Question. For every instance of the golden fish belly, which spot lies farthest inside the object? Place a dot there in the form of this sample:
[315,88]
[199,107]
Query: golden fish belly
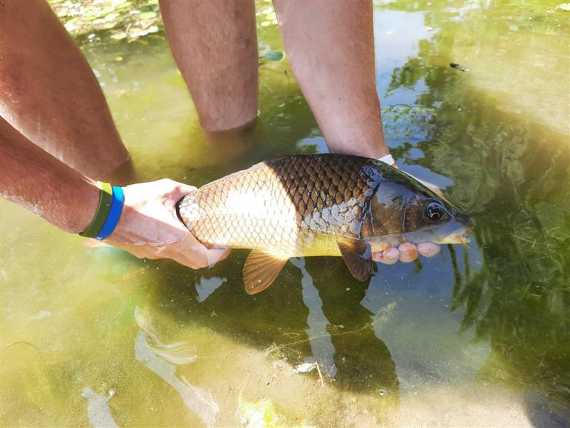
[263,220]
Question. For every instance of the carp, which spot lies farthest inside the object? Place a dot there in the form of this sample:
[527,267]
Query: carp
[318,205]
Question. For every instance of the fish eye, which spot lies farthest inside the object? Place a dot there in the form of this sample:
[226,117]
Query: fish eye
[435,211]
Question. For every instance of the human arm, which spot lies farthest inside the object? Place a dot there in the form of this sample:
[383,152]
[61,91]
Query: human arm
[148,226]
[49,93]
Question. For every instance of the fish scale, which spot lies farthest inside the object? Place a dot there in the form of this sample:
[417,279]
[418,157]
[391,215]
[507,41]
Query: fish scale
[279,205]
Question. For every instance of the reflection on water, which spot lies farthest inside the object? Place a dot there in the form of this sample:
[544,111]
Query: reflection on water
[197,400]
[475,336]
[207,286]
[98,410]
[322,348]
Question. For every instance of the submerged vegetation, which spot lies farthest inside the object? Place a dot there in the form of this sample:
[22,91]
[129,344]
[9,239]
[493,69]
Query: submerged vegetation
[120,19]
[128,19]
[513,174]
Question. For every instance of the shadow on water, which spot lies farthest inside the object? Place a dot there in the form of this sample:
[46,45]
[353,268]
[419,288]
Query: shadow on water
[278,319]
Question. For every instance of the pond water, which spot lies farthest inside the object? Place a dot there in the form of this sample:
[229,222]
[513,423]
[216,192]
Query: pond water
[476,336]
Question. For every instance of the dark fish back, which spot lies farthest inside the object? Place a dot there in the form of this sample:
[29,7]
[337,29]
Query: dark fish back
[330,192]
[285,202]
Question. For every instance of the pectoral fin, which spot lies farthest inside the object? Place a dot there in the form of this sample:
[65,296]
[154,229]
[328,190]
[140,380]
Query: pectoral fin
[260,270]
[358,258]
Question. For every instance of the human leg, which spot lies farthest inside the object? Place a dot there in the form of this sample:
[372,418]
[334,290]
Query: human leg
[330,47]
[215,46]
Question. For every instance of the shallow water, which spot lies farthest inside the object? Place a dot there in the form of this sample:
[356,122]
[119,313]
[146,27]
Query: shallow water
[473,337]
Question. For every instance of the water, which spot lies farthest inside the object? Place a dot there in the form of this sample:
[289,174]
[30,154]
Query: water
[473,337]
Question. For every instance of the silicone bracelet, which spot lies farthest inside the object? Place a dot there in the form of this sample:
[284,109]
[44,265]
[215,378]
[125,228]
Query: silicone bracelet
[103,208]
[114,214]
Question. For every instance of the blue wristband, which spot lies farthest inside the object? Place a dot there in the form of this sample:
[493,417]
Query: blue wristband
[114,214]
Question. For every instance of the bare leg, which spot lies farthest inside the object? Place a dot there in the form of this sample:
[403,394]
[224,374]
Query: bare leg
[49,93]
[215,46]
[330,47]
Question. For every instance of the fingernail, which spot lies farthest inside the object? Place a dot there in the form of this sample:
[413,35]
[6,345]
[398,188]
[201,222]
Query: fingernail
[428,249]
[408,252]
[379,247]
[388,257]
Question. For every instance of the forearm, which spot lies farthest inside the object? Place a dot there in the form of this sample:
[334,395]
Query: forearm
[36,180]
[49,93]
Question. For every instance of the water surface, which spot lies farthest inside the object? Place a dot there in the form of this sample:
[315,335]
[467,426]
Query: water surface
[473,337]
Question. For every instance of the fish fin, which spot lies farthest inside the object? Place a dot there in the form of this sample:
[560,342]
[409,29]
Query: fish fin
[260,270]
[358,257]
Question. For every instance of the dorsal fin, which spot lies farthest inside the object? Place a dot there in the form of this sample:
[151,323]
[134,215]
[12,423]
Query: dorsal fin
[260,270]
[358,257]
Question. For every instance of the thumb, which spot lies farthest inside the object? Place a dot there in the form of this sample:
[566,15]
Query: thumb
[178,191]
[191,252]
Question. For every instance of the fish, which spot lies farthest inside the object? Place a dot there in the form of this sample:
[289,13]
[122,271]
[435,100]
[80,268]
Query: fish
[318,205]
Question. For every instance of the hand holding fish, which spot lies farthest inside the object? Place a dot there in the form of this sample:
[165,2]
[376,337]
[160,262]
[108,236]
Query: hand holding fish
[149,226]
[406,252]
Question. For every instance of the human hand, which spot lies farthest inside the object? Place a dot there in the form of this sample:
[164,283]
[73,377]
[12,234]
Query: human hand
[405,252]
[149,226]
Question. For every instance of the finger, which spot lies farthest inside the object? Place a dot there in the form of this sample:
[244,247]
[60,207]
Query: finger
[428,249]
[190,252]
[388,257]
[215,255]
[140,252]
[203,257]
[408,252]
[173,191]
[193,259]
[178,190]
[378,247]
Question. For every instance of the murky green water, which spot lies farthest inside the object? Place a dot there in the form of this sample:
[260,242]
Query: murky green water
[474,337]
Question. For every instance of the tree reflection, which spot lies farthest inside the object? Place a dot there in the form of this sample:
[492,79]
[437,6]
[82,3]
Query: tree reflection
[513,175]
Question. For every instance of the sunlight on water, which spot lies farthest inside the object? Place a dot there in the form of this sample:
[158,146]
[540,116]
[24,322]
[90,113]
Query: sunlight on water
[476,336]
